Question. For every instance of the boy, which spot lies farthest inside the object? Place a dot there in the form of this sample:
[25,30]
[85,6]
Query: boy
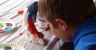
[72,21]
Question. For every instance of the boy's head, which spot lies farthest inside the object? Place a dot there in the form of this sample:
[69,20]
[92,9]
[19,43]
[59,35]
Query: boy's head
[66,15]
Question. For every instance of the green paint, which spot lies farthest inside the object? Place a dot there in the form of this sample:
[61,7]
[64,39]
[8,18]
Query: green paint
[1,25]
[7,47]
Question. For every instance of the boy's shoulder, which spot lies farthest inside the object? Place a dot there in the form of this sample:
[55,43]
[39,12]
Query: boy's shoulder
[85,35]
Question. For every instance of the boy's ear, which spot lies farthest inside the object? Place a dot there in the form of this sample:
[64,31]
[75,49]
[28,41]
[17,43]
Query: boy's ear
[62,24]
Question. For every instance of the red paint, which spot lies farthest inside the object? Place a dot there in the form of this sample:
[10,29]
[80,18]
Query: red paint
[20,12]
[47,27]
[1,30]
[21,34]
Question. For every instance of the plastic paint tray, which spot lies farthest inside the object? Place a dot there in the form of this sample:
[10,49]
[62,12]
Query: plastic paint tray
[6,25]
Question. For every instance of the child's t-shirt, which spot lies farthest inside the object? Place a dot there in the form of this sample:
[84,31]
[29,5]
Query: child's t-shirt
[85,36]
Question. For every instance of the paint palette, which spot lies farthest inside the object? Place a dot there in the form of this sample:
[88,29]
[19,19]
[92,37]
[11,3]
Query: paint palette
[6,25]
